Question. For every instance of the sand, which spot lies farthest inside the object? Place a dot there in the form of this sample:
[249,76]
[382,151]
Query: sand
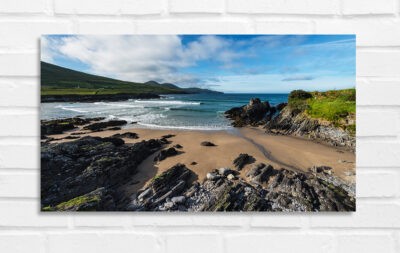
[280,151]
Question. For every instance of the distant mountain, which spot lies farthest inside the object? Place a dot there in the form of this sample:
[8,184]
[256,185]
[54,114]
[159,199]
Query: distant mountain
[191,90]
[58,81]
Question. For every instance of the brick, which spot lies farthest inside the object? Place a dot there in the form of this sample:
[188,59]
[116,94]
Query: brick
[377,92]
[19,185]
[19,156]
[368,215]
[21,243]
[27,90]
[217,220]
[283,27]
[192,27]
[23,6]
[26,214]
[378,63]
[107,27]
[354,7]
[102,242]
[377,184]
[26,34]
[277,220]
[16,125]
[196,6]
[370,32]
[19,64]
[278,242]
[110,7]
[318,7]
[368,127]
[378,154]
[148,219]
[182,243]
[365,243]
[102,220]
[142,7]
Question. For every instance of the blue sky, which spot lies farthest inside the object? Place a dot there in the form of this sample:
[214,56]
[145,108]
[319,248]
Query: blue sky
[228,63]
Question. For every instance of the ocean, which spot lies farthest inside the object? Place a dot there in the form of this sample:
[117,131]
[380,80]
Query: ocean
[188,111]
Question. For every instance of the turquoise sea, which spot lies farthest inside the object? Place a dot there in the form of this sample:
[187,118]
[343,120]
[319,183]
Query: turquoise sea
[189,111]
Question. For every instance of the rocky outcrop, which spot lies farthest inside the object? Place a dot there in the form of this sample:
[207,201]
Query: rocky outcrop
[265,189]
[98,126]
[76,168]
[165,191]
[164,154]
[59,126]
[254,114]
[242,160]
[96,98]
[128,135]
[207,144]
[283,119]
[294,122]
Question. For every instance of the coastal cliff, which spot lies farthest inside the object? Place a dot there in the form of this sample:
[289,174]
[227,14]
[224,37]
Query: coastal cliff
[322,116]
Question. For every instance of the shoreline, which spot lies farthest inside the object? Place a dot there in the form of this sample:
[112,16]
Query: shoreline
[290,152]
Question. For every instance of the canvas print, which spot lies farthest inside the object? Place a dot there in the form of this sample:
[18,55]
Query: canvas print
[198,123]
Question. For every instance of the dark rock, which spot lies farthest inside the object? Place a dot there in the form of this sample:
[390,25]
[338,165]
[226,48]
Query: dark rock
[55,127]
[168,185]
[254,114]
[242,160]
[69,137]
[193,163]
[114,128]
[167,136]
[97,200]
[59,126]
[320,169]
[165,153]
[128,135]
[207,144]
[282,190]
[291,121]
[178,146]
[280,106]
[260,173]
[75,168]
[101,125]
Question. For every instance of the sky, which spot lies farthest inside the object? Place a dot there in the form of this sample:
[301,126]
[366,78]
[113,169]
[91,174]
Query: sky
[227,63]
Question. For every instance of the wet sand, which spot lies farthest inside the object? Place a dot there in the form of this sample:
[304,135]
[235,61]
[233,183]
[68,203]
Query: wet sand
[279,151]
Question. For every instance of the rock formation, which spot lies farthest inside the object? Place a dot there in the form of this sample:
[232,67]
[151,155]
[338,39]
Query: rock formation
[76,168]
[265,189]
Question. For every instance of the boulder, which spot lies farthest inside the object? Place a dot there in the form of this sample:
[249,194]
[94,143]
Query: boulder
[207,144]
[242,160]
[165,153]
[101,125]
[128,135]
[255,113]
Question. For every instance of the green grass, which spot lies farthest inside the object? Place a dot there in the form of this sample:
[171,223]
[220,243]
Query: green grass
[334,106]
[56,80]
[75,202]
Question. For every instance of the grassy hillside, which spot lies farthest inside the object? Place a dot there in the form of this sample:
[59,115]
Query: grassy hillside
[56,80]
[337,106]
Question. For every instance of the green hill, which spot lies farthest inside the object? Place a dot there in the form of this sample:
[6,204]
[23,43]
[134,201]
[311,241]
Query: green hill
[58,81]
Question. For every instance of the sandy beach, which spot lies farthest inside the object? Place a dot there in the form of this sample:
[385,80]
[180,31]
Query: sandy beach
[280,151]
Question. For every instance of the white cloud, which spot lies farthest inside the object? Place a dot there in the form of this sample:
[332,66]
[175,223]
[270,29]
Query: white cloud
[139,58]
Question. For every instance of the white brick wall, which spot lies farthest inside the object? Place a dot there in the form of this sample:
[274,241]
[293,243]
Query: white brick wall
[375,227]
